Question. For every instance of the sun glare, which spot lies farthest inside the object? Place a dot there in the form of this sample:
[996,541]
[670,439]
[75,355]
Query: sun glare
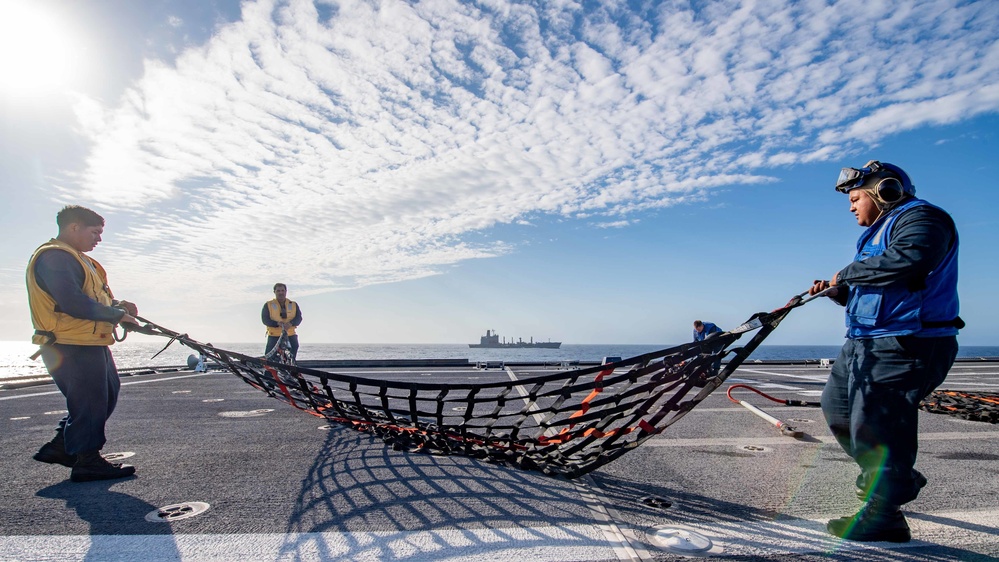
[36,49]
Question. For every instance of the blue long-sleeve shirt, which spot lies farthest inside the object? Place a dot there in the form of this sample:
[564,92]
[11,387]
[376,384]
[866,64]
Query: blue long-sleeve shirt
[60,274]
[709,329]
[919,241]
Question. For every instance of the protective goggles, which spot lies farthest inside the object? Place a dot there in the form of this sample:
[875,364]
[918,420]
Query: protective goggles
[850,178]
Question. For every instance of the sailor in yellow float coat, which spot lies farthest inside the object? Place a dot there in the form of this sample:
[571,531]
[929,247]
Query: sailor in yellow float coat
[73,312]
[50,322]
[281,315]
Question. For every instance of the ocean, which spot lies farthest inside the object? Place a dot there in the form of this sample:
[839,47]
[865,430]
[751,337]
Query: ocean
[15,362]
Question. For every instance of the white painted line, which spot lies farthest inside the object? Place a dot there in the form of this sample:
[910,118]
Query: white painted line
[130,383]
[814,370]
[736,408]
[966,532]
[758,384]
[736,441]
[961,531]
[968,385]
[555,544]
[603,511]
[598,505]
[949,384]
[524,395]
[959,435]
[812,378]
[443,371]
[740,441]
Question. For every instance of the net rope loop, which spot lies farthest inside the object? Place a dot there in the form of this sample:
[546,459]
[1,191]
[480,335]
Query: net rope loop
[564,423]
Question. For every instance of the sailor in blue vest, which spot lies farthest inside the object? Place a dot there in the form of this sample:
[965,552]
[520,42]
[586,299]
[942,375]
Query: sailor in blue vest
[703,331]
[900,295]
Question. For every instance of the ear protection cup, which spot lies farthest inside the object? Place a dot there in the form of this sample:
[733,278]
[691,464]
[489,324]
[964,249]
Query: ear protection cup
[890,190]
[902,183]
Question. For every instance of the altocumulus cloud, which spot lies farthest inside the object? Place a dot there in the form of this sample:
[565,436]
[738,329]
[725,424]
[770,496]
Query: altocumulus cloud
[350,143]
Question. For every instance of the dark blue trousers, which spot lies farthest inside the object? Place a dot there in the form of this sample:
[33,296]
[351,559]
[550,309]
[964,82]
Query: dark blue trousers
[871,404]
[86,375]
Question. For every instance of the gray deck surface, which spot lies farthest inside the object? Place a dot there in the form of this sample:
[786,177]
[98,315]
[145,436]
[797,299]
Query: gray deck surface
[282,486]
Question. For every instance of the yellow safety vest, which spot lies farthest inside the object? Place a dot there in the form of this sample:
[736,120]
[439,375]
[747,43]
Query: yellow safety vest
[69,329]
[274,309]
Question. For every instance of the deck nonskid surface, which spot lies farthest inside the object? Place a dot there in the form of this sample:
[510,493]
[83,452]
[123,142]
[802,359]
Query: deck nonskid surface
[282,484]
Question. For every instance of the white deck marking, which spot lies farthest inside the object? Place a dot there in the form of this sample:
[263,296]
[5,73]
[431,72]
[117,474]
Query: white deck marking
[601,509]
[739,441]
[576,542]
[129,383]
[960,530]
[737,408]
[964,531]
[969,385]
[812,378]
[759,385]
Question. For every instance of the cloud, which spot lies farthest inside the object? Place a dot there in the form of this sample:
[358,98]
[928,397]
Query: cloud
[353,143]
[613,224]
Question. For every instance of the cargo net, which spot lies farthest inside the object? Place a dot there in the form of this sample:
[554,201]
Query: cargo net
[565,423]
[974,406]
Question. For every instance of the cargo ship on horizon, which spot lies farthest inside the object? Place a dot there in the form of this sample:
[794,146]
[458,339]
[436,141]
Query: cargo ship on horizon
[492,340]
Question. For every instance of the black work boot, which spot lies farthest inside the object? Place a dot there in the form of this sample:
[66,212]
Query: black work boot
[92,466]
[54,452]
[876,521]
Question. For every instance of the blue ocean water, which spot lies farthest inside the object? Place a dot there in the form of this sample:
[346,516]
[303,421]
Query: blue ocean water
[14,360]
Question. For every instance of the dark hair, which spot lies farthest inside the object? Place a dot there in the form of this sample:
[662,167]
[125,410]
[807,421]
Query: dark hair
[75,214]
[276,285]
[698,323]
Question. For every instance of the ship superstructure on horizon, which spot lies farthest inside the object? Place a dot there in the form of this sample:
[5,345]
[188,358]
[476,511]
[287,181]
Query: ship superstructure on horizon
[492,339]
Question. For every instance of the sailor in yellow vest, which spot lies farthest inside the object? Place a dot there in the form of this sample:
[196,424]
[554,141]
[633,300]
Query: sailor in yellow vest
[281,315]
[74,313]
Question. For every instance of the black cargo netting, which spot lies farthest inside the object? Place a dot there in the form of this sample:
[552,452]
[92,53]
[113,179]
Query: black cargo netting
[564,423]
[974,406]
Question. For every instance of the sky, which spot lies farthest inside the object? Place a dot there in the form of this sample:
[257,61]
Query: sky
[422,171]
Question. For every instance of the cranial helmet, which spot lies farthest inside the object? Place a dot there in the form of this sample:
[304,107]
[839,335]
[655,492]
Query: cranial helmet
[890,182]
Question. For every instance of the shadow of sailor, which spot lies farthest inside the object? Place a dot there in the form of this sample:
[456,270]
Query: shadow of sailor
[118,528]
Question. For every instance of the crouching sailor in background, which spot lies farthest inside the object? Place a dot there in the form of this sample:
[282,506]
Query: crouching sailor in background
[74,313]
[281,315]
[703,331]
[900,295]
